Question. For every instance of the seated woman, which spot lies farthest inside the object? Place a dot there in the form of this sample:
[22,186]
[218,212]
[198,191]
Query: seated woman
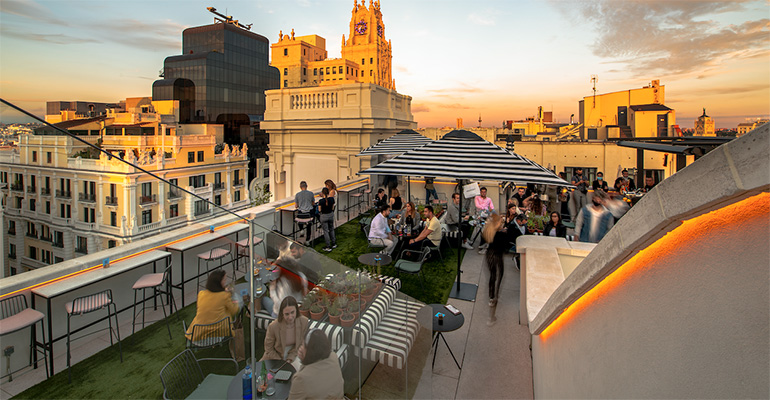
[411,218]
[395,203]
[214,303]
[284,335]
[320,376]
[554,227]
[537,206]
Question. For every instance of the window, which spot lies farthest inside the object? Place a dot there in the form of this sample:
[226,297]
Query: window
[58,260]
[146,217]
[48,207]
[89,215]
[32,205]
[31,230]
[49,157]
[591,134]
[173,211]
[371,72]
[19,200]
[266,173]
[113,218]
[147,189]
[45,256]
[237,195]
[190,157]
[218,200]
[200,156]
[11,227]
[285,71]
[304,71]
[58,239]
[347,70]
[81,245]
[340,68]
[3,177]
[34,156]
[371,60]
[237,176]
[315,71]
[285,83]
[588,173]
[334,71]
[327,70]
[111,244]
[33,252]
[11,251]
[363,61]
[217,178]
[201,207]
[286,53]
[65,211]
[198,181]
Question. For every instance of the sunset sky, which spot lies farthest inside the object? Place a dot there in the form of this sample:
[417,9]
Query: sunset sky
[457,59]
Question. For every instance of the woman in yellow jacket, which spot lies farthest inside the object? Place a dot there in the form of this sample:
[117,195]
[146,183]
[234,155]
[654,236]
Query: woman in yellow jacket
[285,334]
[214,303]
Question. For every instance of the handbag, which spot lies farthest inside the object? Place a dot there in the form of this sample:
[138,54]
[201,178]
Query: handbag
[471,190]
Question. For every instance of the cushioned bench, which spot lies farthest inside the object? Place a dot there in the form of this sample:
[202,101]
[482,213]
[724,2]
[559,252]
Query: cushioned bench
[387,330]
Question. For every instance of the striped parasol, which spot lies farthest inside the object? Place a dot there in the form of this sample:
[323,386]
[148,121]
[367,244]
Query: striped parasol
[397,144]
[464,155]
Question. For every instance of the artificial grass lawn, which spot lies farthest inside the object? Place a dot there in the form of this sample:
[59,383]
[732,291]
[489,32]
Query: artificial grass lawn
[103,376]
[438,275]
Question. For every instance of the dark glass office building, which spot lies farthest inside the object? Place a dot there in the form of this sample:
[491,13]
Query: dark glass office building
[221,77]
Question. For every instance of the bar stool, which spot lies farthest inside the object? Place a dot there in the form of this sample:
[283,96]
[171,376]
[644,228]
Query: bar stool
[160,286]
[242,247]
[298,221]
[367,198]
[358,196]
[88,304]
[217,253]
[15,315]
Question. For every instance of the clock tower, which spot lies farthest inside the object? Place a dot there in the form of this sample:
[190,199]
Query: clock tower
[367,46]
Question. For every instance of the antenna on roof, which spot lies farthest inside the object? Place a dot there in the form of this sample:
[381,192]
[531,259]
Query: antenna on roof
[228,19]
[594,79]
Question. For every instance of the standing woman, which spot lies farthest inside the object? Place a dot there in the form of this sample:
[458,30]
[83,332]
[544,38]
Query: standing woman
[326,211]
[284,335]
[494,257]
[554,227]
[332,188]
[395,203]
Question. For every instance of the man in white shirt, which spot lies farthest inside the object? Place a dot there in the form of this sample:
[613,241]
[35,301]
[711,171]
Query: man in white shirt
[379,232]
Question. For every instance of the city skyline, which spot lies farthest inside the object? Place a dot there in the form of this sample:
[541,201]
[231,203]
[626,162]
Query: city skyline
[500,60]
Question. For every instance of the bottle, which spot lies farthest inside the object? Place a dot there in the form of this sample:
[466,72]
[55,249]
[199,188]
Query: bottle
[262,380]
[260,386]
[247,383]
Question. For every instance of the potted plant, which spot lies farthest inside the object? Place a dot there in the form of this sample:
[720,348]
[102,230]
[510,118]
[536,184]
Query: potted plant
[347,320]
[356,306]
[304,308]
[316,312]
[342,303]
[334,314]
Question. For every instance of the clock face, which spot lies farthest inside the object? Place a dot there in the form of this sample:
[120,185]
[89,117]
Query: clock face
[379,30]
[360,27]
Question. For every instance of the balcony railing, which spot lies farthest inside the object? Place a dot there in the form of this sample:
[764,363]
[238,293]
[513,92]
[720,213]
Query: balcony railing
[144,200]
[175,219]
[48,238]
[149,227]
[12,231]
[202,211]
[58,244]
[63,194]
[111,201]
[31,189]
[12,256]
[32,235]
[202,189]
[81,250]
[45,191]
[87,197]
[237,182]
[174,194]
[17,187]
[219,185]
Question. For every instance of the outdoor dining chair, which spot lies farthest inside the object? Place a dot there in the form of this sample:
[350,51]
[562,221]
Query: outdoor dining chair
[15,315]
[412,267]
[182,378]
[375,243]
[88,304]
[209,336]
[160,288]
[242,249]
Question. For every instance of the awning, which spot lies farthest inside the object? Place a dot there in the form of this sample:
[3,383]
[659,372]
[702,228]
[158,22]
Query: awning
[397,144]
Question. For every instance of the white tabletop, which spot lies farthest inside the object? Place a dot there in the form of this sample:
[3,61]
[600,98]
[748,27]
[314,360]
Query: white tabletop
[98,274]
[208,237]
[353,187]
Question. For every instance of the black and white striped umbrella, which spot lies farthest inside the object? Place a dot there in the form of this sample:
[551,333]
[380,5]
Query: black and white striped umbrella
[397,144]
[464,155]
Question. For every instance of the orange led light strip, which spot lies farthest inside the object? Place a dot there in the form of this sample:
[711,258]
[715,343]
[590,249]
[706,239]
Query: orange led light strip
[130,256]
[753,207]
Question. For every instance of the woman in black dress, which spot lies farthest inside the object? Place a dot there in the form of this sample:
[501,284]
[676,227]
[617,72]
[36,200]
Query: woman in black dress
[494,234]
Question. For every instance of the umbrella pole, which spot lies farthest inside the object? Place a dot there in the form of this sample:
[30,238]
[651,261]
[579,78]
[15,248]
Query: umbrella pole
[461,291]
